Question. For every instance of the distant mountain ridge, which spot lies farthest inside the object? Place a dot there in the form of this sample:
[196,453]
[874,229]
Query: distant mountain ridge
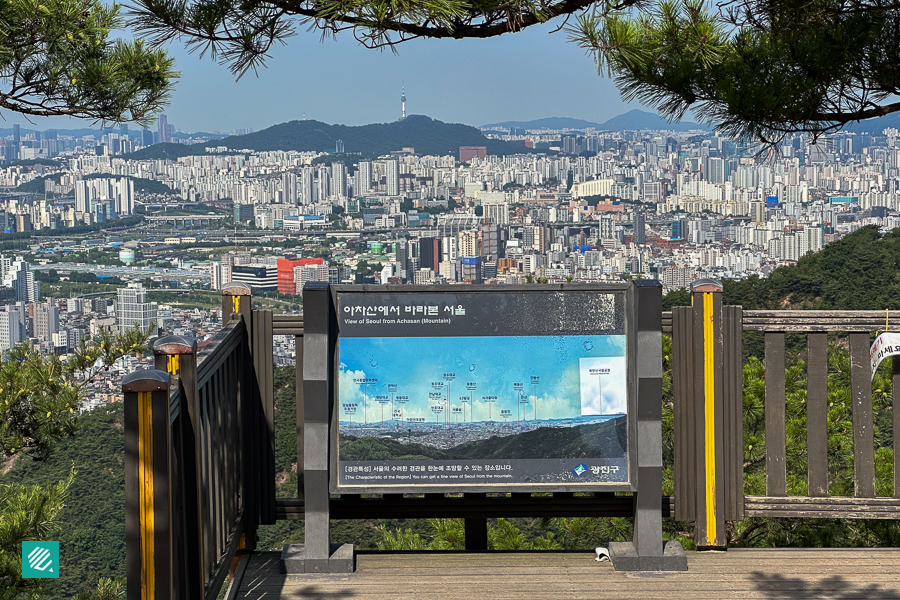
[424,134]
[632,120]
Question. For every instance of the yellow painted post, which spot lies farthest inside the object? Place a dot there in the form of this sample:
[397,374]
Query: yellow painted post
[706,300]
[148,504]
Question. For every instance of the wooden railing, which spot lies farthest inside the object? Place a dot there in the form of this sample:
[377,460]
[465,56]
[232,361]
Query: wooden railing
[198,431]
[708,406]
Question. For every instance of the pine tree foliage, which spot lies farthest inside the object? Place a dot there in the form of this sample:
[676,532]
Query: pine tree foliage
[759,69]
[57,57]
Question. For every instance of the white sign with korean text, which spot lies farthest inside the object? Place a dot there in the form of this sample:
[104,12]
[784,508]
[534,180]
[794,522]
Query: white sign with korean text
[886,344]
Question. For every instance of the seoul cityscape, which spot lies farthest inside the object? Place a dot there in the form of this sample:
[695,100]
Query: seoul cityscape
[557,206]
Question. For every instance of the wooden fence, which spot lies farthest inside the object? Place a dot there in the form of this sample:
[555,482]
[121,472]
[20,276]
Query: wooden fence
[707,348]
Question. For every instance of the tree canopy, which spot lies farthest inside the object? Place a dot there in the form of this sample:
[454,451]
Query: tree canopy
[57,59]
[752,68]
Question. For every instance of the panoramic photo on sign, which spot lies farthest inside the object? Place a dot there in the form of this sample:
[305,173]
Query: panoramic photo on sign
[482,388]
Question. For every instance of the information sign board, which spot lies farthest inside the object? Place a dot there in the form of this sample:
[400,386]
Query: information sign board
[487,388]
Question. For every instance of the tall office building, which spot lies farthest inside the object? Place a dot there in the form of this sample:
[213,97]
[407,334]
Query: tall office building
[363,178]
[392,177]
[430,253]
[163,129]
[133,309]
[640,232]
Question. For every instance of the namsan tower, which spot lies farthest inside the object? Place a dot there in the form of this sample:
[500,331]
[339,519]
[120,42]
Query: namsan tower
[403,102]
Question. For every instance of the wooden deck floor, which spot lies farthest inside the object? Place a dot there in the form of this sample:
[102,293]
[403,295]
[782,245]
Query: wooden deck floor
[746,574]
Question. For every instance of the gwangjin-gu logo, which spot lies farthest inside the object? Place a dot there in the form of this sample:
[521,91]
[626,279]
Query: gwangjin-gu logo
[579,470]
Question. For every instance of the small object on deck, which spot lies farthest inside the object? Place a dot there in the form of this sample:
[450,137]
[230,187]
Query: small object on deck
[602,554]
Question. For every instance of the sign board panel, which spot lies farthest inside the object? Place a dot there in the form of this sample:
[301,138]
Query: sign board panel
[490,388]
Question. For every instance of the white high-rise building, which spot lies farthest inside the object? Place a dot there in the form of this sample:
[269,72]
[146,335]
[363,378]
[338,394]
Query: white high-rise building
[133,309]
[289,188]
[46,320]
[20,277]
[392,176]
[119,190]
[308,187]
[324,183]
[338,180]
[363,178]
[219,274]
[10,329]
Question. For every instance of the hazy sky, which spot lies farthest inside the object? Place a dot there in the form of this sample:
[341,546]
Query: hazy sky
[520,76]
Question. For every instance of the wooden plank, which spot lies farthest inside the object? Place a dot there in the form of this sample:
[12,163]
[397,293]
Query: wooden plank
[685,419]
[817,414]
[895,395]
[844,328]
[776,474]
[863,436]
[816,314]
[733,409]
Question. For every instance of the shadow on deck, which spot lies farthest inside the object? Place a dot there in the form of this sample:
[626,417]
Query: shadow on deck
[762,574]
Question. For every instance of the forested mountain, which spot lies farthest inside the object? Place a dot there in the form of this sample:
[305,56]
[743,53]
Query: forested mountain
[424,134]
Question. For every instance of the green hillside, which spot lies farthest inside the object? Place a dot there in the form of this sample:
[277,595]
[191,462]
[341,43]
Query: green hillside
[92,533]
[424,134]
[861,271]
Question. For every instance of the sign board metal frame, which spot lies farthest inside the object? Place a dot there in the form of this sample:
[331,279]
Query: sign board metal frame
[632,337]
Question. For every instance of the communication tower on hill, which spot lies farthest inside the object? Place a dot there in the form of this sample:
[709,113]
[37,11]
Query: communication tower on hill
[403,102]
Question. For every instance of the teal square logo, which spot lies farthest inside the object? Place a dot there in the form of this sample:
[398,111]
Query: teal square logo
[40,560]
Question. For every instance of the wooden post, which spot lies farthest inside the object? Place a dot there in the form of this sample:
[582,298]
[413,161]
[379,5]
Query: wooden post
[148,511]
[237,305]
[261,349]
[177,356]
[706,300]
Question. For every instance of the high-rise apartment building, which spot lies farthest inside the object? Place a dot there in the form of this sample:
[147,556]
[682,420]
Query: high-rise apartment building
[363,178]
[10,329]
[19,276]
[46,320]
[392,177]
[468,243]
[133,309]
[338,180]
